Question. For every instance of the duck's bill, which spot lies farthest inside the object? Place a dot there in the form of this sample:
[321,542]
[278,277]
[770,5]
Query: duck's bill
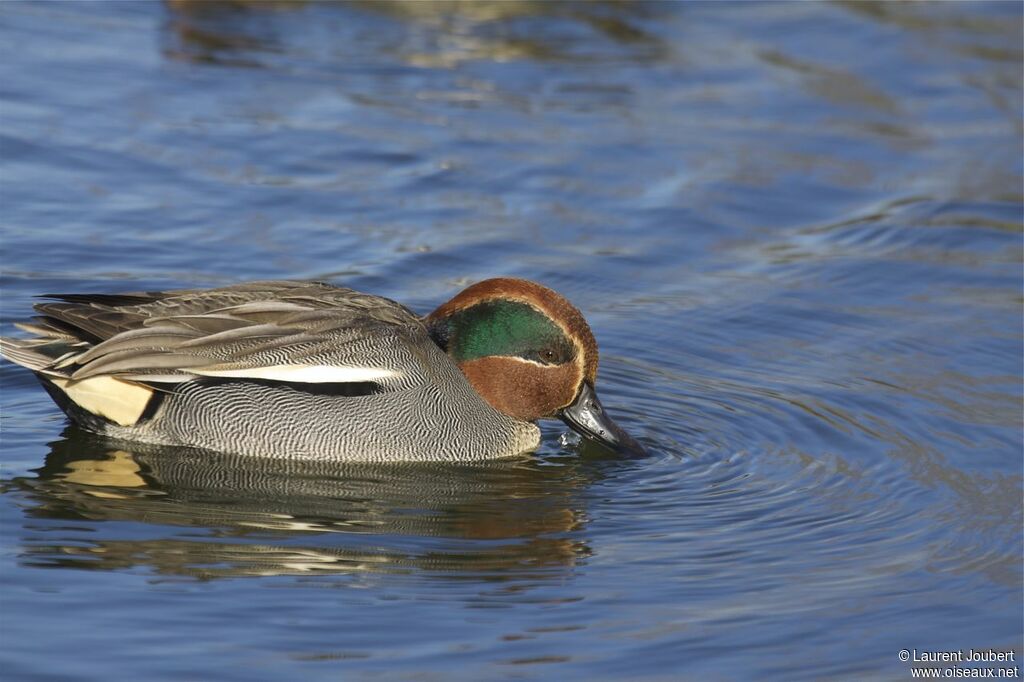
[587,417]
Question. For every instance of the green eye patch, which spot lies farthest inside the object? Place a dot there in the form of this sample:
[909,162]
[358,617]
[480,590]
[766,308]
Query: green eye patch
[506,328]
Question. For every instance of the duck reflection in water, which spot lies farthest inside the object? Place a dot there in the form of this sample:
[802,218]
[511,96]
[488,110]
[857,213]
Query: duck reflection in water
[443,33]
[504,520]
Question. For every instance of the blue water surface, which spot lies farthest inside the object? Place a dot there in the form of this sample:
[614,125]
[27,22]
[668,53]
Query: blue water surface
[795,228]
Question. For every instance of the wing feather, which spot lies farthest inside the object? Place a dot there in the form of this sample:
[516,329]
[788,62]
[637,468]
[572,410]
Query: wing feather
[277,331]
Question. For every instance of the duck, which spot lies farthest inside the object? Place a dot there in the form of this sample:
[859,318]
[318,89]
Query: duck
[310,370]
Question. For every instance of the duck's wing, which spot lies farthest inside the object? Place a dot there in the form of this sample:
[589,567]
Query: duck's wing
[305,332]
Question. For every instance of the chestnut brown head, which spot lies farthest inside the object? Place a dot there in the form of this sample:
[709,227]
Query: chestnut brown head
[528,352]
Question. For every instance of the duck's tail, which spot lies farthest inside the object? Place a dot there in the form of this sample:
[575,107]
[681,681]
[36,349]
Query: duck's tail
[42,353]
[49,356]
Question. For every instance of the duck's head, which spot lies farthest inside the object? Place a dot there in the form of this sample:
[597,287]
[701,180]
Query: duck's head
[529,353]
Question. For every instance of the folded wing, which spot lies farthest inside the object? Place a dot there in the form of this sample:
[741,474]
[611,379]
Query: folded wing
[297,332]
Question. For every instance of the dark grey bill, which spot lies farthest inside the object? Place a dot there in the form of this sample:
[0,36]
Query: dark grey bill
[587,417]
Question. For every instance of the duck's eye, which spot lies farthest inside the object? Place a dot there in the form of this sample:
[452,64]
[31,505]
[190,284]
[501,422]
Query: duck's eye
[551,355]
[554,353]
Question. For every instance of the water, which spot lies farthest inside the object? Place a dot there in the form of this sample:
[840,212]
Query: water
[796,232]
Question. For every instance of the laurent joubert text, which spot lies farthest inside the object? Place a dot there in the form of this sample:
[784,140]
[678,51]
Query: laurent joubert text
[958,656]
[961,656]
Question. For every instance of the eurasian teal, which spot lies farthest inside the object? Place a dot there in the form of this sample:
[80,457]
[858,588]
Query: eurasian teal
[310,370]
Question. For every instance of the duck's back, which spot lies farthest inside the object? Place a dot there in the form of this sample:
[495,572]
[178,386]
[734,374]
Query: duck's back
[291,369]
